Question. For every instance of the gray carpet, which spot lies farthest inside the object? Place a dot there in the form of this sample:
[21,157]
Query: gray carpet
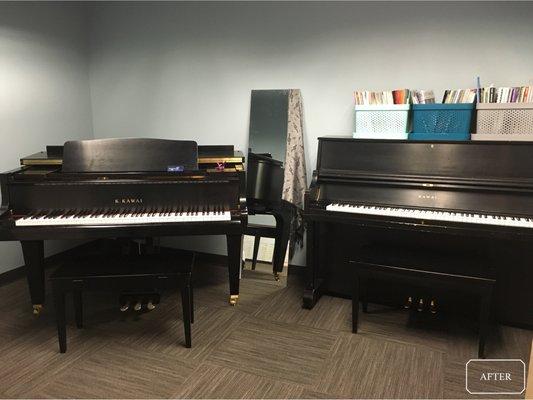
[265,347]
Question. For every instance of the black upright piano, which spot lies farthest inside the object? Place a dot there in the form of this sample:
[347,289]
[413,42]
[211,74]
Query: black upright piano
[123,188]
[462,197]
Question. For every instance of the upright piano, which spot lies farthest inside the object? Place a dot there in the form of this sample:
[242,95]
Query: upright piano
[123,188]
[462,197]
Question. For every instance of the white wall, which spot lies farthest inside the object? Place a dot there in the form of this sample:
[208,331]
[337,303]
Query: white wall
[186,70]
[44,88]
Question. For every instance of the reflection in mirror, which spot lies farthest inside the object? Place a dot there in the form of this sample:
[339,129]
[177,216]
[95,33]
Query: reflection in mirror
[276,179]
[268,123]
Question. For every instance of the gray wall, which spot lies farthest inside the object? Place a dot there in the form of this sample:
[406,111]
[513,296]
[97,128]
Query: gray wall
[44,88]
[186,70]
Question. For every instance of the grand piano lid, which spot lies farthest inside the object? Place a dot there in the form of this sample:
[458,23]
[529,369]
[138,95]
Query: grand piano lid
[130,154]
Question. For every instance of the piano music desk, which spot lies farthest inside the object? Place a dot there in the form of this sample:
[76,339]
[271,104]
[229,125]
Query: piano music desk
[424,271]
[122,273]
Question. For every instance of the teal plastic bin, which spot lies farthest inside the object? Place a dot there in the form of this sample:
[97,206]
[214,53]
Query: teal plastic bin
[442,121]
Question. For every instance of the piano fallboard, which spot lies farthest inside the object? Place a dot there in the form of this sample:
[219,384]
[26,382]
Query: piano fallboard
[26,195]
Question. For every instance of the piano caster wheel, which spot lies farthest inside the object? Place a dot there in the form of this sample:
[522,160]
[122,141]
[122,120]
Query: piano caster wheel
[125,307]
[420,307]
[433,307]
[150,306]
[233,299]
[276,276]
[408,303]
[37,309]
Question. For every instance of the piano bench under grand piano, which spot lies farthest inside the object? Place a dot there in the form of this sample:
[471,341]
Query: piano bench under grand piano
[121,273]
[123,188]
[430,275]
[452,197]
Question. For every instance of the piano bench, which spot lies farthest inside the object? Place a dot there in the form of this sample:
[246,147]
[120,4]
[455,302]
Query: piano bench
[427,276]
[138,273]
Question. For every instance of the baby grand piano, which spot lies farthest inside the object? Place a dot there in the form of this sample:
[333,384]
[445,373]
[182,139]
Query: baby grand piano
[123,188]
[460,197]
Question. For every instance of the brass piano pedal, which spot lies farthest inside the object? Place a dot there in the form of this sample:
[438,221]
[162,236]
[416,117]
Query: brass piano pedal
[420,306]
[233,299]
[125,307]
[433,307]
[408,303]
[150,305]
[137,306]
[276,276]
[37,309]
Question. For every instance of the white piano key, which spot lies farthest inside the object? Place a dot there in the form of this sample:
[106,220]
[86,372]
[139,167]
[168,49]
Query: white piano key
[128,219]
[434,215]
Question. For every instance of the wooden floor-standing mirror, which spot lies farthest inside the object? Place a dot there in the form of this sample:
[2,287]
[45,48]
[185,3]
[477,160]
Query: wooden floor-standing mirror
[276,176]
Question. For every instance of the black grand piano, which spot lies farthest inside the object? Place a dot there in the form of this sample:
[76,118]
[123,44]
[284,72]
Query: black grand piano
[451,197]
[123,188]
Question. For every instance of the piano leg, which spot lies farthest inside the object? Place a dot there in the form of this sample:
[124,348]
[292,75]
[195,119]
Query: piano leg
[33,251]
[311,291]
[234,244]
[283,226]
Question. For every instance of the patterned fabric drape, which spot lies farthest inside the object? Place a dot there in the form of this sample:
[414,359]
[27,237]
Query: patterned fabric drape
[295,179]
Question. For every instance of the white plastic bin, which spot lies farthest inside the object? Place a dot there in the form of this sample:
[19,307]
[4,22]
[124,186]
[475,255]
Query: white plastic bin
[384,121]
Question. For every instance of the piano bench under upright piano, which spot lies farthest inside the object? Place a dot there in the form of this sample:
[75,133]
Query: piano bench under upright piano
[430,274]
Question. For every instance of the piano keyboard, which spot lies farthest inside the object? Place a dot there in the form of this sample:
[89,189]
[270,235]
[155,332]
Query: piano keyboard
[473,218]
[120,218]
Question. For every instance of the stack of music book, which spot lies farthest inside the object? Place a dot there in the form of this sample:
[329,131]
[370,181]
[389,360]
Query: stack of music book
[456,96]
[422,96]
[367,97]
[519,94]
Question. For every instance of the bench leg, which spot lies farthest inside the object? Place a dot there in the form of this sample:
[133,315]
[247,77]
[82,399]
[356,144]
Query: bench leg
[78,308]
[257,242]
[186,307]
[362,289]
[355,305]
[59,302]
[484,314]
[192,301]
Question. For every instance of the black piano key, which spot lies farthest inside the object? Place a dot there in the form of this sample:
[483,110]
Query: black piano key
[53,214]
[35,214]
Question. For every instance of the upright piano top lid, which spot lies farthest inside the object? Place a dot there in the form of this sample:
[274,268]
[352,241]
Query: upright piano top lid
[129,155]
[468,160]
